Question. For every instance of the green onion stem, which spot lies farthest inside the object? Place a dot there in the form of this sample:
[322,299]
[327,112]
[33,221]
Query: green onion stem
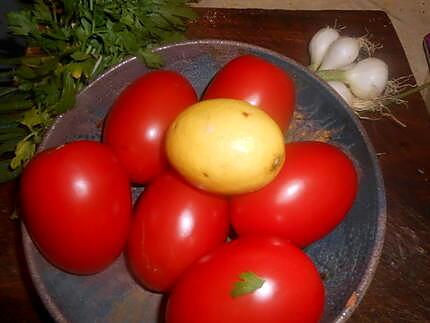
[332,75]
[415,89]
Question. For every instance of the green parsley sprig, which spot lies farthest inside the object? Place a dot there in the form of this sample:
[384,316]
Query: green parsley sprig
[69,43]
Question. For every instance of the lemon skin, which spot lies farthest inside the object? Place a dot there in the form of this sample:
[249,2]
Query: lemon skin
[225,146]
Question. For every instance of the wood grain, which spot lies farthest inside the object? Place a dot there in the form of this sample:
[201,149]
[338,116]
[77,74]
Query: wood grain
[400,291]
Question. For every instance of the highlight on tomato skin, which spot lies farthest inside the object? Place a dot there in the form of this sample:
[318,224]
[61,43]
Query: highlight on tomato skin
[259,82]
[136,123]
[76,206]
[251,279]
[174,225]
[311,195]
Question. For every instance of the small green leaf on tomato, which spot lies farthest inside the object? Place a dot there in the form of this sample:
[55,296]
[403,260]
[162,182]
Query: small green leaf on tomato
[248,283]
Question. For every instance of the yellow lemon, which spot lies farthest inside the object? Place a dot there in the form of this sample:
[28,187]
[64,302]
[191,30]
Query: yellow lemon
[225,146]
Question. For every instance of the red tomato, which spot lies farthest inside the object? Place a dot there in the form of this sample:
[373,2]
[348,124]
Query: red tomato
[279,284]
[310,196]
[76,203]
[260,83]
[175,225]
[136,124]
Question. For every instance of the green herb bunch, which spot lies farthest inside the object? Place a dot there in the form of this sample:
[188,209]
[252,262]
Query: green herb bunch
[69,43]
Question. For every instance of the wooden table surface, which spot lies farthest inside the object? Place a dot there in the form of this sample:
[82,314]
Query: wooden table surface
[400,291]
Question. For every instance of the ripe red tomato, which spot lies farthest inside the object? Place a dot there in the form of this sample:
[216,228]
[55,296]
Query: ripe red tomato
[260,83]
[136,124]
[310,196]
[279,284]
[76,203]
[175,224]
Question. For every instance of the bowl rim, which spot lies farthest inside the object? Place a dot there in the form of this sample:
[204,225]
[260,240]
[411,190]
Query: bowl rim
[374,257]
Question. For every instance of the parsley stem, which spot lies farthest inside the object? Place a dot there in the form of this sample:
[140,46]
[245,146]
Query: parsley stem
[96,65]
[88,50]
[8,90]
[31,134]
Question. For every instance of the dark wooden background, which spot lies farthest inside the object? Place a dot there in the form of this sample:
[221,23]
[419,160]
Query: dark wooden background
[400,291]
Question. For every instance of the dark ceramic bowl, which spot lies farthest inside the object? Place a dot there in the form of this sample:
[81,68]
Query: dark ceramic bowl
[347,258]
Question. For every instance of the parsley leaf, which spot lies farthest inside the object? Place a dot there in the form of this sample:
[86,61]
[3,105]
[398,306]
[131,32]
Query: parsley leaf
[35,117]
[69,43]
[249,282]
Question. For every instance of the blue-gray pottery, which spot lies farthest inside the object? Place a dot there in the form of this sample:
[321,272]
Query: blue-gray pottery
[346,258]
